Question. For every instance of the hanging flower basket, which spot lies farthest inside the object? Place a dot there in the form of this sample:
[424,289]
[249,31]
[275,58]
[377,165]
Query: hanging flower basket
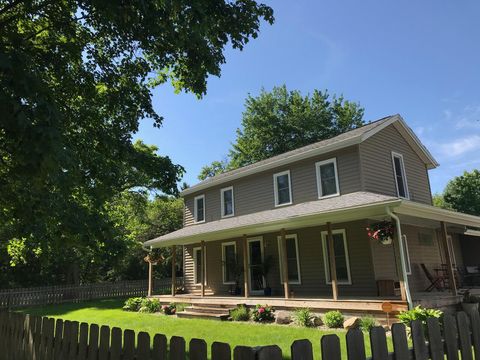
[381,232]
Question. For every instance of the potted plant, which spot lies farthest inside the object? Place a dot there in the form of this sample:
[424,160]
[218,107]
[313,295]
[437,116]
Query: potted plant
[266,266]
[470,302]
[381,232]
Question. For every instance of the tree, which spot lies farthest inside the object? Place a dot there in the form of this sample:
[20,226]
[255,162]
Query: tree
[279,121]
[439,201]
[75,79]
[463,193]
[216,167]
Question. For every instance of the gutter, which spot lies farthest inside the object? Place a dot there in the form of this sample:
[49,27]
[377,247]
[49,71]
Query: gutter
[402,256]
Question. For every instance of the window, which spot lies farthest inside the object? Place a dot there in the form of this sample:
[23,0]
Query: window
[400,177]
[408,265]
[341,257]
[197,261]
[327,178]
[227,206]
[282,188]
[199,208]
[293,261]
[229,260]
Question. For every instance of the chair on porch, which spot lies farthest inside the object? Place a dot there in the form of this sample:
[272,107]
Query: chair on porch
[436,282]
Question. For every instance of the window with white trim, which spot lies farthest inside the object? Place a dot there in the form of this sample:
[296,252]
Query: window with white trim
[197,265]
[229,261]
[327,178]
[342,261]
[408,265]
[282,188]
[293,260]
[227,202]
[400,176]
[199,208]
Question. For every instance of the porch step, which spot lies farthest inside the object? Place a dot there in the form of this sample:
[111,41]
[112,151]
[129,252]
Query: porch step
[206,311]
[196,315]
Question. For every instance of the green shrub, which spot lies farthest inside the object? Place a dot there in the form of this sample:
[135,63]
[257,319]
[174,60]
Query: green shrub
[169,309]
[263,313]
[367,323]
[241,313]
[418,313]
[181,306]
[133,304]
[303,317]
[149,305]
[333,319]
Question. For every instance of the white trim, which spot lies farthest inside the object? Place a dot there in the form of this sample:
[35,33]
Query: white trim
[280,257]
[195,212]
[408,264]
[222,202]
[319,177]
[404,175]
[326,261]
[224,245]
[451,249]
[275,187]
[249,240]
[195,260]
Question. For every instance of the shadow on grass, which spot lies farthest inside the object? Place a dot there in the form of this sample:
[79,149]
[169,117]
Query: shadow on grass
[65,308]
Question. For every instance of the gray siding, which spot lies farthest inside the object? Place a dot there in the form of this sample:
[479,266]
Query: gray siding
[255,193]
[377,168]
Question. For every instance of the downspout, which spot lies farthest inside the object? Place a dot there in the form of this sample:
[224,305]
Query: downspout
[402,256]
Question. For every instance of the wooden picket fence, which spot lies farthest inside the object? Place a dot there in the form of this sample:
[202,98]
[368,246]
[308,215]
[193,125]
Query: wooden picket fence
[46,295]
[24,337]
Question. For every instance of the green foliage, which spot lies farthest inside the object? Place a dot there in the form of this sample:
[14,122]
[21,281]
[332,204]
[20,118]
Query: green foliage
[149,305]
[76,77]
[240,313]
[367,323]
[263,313]
[181,306]
[281,120]
[463,193]
[133,304]
[304,317]
[418,313]
[439,201]
[333,319]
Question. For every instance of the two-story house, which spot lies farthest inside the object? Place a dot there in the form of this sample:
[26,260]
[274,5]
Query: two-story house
[291,230]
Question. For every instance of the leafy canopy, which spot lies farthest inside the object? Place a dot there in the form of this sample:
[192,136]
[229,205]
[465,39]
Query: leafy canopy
[281,120]
[463,193]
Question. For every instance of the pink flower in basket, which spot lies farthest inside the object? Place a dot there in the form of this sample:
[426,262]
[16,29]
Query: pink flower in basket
[261,310]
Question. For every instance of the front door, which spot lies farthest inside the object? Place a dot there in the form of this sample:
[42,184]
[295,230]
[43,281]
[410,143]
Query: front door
[255,260]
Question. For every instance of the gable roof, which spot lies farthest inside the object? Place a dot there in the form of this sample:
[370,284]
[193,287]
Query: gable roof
[349,138]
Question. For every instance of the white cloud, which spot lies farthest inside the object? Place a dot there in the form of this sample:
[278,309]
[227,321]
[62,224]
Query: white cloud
[461,146]
[470,117]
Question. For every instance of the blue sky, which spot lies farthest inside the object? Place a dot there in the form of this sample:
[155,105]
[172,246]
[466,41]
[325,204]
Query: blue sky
[417,58]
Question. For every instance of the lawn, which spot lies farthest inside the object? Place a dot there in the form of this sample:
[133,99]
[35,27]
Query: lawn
[109,312]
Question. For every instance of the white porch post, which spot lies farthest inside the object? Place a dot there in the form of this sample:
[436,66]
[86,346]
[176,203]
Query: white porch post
[203,267]
[333,265]
[245,265]
[448,257]
[150,278]
[174,272]
[286,286]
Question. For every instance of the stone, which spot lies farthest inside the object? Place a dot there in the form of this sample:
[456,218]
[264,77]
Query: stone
[351,323]
[283,317]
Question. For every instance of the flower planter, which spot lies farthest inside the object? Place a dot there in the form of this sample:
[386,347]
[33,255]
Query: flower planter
[386,241]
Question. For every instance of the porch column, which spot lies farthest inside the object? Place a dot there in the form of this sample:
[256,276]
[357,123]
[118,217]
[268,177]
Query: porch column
[150,278]
[448,257]
[174,272]
[331,258]
[203,267]
[286,286]
[245,265]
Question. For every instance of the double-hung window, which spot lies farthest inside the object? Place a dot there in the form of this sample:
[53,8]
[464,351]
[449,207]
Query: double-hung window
[198,263]
[229,260]
[227,202]
[400,177]
[342,262]
[327,178]
[199,208]
[282,188]
[293,261]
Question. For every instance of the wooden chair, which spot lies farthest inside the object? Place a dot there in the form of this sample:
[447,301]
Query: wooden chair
[436,282]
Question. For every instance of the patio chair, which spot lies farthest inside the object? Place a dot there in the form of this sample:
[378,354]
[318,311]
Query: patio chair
[436,282]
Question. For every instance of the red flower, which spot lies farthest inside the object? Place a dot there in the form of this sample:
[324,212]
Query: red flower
[261,310]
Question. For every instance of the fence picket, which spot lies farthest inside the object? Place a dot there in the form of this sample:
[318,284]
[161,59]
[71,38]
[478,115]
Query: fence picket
[330,346]
[83,342]
[475,325]
[116,347]
[177,348]
[221,351]
[450,336]
[400,343]
[418,338]
[93,342]
[143,346]
[73,341]
[159,351]
[301,350]
[57,340]
[355,345]
[272,352]
[243,353]
[197,349]
[435,341]
[47,339]
[378,343]
[103,348]
[464,336]
[128,345]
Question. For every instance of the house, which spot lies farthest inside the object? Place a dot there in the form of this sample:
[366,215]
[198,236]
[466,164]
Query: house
[305,212]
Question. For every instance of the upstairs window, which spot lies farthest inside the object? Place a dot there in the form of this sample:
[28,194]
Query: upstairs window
[227,207]
[199,208]
[327,178]
[400,177]
[282,188]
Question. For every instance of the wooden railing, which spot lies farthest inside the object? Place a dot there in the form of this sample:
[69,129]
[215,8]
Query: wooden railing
[27,337]
[74,293]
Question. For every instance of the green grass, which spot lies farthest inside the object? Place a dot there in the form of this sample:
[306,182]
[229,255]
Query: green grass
[109,312]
